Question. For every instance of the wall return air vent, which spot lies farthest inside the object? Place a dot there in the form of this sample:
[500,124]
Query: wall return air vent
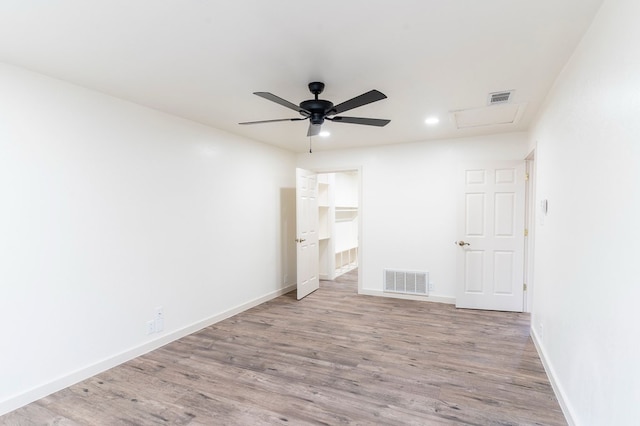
[406,282]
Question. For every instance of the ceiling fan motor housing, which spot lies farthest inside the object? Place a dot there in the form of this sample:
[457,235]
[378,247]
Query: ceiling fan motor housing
[318,108]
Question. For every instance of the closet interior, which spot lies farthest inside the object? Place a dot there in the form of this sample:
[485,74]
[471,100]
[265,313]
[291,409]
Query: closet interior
[338,223]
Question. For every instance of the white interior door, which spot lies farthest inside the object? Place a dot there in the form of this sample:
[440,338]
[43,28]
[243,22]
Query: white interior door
[307,232]
[490,240]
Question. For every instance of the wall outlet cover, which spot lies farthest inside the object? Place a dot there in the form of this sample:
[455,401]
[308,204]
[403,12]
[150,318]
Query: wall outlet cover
[159,324]
[151,327]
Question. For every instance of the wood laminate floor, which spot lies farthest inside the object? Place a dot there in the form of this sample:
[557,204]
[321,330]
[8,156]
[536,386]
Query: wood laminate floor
[332,358]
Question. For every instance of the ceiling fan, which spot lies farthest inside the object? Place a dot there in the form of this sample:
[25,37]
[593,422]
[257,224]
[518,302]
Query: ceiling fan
[317,110]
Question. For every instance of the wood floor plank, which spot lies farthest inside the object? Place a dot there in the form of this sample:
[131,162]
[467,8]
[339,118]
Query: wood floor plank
[331,358]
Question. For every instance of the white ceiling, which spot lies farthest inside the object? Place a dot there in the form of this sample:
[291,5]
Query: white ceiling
[202,59]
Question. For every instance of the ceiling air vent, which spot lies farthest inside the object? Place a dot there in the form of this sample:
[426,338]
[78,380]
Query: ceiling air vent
[500,97]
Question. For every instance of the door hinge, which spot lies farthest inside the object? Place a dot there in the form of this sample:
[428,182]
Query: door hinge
[526,232]
[524,286]
[526,176]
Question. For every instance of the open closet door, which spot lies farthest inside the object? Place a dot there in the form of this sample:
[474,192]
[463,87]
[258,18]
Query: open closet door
[307,232]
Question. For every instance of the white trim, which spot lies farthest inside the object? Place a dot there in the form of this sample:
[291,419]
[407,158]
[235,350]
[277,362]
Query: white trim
[557,387]
[84,373]
[430,298]
[530,240]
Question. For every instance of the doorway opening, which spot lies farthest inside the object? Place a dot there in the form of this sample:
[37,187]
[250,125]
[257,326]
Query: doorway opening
[338,223]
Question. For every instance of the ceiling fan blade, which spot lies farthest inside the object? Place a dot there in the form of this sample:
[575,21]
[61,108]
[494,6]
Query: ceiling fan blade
[314,129]
[273,121]
[358,120]
[273,98]
[364,99]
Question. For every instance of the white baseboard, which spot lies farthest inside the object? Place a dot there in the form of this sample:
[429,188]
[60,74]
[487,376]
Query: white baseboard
[430,298]
[84,373]
[557,388]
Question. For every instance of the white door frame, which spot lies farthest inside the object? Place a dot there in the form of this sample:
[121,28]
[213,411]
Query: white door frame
[360,212]
[530,222]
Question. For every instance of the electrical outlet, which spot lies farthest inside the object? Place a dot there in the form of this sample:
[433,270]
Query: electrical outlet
[159,319]
[151,327]
[432,286]
[159,312]
[159,325]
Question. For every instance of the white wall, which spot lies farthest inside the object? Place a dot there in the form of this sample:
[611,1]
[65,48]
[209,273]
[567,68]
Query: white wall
[408,209]
[585,310]
[109,209]
[346,184]
[346,225]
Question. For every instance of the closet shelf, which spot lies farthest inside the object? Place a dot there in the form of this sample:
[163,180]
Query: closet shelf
[346,215]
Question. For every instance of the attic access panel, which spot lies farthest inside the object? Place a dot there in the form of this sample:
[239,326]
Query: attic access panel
[487,116]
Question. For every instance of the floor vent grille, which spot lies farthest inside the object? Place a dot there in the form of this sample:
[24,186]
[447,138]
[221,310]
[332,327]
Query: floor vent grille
[407,282]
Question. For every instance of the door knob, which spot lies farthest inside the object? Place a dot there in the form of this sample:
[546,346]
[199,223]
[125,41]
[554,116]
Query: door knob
[299,240]
[461,243]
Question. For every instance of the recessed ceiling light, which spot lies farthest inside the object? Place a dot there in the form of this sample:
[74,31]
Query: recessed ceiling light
[324,134]
[432,121]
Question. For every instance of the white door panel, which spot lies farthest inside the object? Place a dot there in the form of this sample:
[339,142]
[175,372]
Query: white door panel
[491,237]
[307,232]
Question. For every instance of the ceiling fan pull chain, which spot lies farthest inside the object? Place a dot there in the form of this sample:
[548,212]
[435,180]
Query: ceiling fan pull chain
[310,151]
